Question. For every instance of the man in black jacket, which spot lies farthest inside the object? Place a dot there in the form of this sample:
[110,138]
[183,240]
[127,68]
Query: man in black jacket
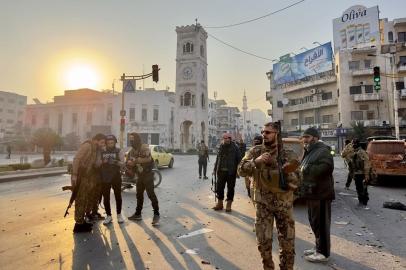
[228,158]
[318,188]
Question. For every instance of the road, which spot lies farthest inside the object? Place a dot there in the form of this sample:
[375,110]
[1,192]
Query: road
[34,234]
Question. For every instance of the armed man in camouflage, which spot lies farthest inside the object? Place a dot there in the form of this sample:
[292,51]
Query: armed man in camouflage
[361,166]
[347,154]
[271,202]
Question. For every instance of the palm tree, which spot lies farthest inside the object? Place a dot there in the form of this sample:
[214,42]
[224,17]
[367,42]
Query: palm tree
[47,139]
[359,131]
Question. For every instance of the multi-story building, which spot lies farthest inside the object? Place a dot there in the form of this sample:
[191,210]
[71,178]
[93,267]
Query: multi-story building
[12,112]
[212,143]
[228,121]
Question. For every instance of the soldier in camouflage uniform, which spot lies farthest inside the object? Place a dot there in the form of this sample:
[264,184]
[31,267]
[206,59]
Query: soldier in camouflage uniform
[84,161]
[272,203]
[347,154]
[361,166]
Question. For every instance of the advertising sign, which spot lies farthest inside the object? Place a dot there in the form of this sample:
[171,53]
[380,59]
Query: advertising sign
[358,27]
[308,63]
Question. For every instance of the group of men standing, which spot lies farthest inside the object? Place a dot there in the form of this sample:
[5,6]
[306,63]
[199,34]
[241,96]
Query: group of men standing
[96,170]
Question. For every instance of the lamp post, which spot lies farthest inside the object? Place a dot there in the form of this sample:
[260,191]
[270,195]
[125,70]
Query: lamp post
[395,100]
[304,48]
[316,42]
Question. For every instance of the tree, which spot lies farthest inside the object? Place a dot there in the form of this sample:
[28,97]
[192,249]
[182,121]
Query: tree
[47,139]
[71,141]
[359,131]
[20,131]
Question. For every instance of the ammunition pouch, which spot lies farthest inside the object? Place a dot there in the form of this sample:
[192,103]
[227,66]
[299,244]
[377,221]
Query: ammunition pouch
[306,189]
[357,164]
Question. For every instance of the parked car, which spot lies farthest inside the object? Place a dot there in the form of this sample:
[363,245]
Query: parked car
[160,156]
[387,157]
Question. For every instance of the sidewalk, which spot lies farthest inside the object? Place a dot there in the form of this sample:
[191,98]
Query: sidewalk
[31,174]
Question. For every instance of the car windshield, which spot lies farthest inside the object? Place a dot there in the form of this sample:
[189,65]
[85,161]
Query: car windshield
[387,148]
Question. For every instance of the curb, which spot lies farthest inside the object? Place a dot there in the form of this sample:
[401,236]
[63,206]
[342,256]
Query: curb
[11,178]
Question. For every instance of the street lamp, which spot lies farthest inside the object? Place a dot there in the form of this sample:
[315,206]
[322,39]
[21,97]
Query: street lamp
[293,53]
[275,60]
[395,101]
[316,42]
[304,48]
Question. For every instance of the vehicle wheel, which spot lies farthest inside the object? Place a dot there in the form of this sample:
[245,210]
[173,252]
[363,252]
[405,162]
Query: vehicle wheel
[171,163]
[157,178]
[156,164]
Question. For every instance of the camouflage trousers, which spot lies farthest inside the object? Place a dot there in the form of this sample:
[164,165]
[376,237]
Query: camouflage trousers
[278,207]
[85,198]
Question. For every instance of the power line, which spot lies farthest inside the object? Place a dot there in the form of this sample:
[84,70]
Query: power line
[231,25]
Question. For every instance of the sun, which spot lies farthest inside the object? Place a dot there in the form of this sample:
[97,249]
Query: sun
[82,77]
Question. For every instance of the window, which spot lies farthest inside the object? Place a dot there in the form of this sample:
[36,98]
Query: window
[10,121]
[355,115]
[11,101]
[172,115]
[328,118]
[201,50]
[308,99]
[187,99]
[355,90]
[132,113]
[401,36]
[33,120]
[364,107]
[20,103]
[46,120]
[402,60]
[10,111]
[369,89]
[339,116]
[109,113]
[294,122]
[309,120]
[400,85]
[279,104]
[74,118]
[144,114]
[336,68]
[60,122]
[370,115]
[367,63]
[338,92]
[20,113]
[353,65]
[203,101]
[188,47]
[155,114]
[89,117]
[390,36]
[326,96]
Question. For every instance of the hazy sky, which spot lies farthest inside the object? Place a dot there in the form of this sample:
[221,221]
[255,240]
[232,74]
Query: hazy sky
[43,41]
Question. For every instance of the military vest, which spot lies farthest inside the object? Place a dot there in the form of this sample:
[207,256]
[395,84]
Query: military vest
[108,170]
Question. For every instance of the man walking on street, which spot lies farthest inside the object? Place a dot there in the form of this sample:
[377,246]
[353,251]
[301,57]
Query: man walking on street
[347,154]
[318,184]
[271,202]
[83,174]
[110,160]
[140,160]
[361,166]
[227,160]
[203,159]
[8,151]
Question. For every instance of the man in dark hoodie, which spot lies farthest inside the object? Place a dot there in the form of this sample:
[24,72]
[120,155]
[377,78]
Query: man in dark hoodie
[318,188]
[84,162]
[203,155]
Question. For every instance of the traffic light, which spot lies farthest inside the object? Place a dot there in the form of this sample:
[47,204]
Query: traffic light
[155,76]
[377,78]
[377,75]
[122,124]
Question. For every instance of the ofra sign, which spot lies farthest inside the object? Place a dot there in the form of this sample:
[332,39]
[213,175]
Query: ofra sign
[352,15]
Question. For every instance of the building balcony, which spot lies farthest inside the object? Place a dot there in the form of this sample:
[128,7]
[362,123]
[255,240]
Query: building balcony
[270,112]
[367,97]
[310,105]
[399,22]
[402,68]
[374,122]
[362,72]
[315,81]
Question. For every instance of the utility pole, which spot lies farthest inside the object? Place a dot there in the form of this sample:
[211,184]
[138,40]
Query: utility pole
[395,97]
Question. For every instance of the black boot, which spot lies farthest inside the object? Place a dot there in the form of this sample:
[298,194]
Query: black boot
[81,228]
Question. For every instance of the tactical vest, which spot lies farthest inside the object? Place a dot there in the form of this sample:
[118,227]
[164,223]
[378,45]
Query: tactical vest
[146,167]
[108,170]
[357,164]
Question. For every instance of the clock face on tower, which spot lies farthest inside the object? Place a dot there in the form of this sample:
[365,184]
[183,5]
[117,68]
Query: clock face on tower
[203,74]
[187,72]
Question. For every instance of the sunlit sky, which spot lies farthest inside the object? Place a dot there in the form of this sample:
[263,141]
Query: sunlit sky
[44,44]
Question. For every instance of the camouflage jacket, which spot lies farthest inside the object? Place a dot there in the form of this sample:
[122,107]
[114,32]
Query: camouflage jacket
[347,153]
[266,176]
[360,163]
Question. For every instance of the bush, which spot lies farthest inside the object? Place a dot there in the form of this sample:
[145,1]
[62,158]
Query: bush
[191,150]
[24,166]
[169,150]
[177,150]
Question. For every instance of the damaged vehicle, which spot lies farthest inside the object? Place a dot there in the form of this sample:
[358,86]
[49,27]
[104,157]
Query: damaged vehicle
[387,157]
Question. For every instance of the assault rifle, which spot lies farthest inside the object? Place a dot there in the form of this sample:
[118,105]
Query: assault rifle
[75,190]
[283,184]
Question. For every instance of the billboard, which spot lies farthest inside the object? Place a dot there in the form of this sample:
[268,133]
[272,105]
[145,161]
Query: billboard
[357,28]
[308,63]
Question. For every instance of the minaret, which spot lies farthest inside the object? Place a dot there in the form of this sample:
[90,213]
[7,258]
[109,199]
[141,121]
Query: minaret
[244,109]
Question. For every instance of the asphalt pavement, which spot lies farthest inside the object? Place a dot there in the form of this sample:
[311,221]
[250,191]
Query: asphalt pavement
[34,234]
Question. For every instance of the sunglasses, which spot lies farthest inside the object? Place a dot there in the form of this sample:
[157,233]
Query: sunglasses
[267,132]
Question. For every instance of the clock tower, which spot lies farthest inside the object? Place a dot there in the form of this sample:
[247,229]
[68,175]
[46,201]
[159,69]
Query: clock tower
[191,112]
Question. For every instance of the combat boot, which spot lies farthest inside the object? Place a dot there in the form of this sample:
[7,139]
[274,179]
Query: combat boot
[219,205]
[228,206]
